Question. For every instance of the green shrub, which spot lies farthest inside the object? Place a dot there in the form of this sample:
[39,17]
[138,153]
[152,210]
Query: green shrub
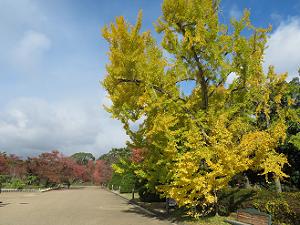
[284,207]
[127,183]
[4,179]
[31,180]
[124,182]
[115,181]
[15,183]
[148,196]
[230,199]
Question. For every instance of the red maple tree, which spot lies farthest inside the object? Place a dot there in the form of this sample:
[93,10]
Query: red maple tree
[137,155]
[102,172]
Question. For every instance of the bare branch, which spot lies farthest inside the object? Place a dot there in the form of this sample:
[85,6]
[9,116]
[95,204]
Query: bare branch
[121,80]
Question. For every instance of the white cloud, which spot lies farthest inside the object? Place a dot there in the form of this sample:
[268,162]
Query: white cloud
[283,48]
[31,125]
[30,50]
[36,40]
[17,17]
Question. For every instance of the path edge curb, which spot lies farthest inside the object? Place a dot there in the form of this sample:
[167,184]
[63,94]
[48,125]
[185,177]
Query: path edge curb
[29,190]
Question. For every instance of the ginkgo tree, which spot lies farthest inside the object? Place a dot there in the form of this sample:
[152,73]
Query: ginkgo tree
[193,144]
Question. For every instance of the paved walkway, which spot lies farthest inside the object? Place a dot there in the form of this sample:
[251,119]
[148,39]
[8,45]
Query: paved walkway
[86,206]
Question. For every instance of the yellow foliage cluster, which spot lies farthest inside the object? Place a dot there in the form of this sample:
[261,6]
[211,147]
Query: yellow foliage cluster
[196,143]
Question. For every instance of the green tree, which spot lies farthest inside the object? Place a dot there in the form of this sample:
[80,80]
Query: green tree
[291,148]
[83,158]
[195,144]
[122,176]
[115,154]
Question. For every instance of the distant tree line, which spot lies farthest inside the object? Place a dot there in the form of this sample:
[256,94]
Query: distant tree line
[52,168]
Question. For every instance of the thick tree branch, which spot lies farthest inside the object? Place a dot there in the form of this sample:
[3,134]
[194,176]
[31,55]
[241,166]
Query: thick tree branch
[222,81]
[201,79]
[122,80]
[155,87]
[200,74]
[160,90]
[136,81]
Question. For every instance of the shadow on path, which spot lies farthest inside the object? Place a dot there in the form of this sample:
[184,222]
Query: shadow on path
[145,212]
[2,204]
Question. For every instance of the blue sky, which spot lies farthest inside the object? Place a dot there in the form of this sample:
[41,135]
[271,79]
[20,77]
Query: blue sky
[53,57]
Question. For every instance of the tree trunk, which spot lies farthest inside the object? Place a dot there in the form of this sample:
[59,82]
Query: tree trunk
[277,184]
[204,89]
[216,203]
[204,94]
[247,183]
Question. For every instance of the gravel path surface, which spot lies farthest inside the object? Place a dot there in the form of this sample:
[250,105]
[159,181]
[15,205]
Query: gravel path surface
[86,206]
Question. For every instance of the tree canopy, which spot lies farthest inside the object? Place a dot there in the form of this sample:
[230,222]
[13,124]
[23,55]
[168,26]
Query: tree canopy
[194,144]
[114,155]
[83,157]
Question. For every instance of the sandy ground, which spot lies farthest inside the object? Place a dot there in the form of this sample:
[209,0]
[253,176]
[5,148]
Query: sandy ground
[86,206]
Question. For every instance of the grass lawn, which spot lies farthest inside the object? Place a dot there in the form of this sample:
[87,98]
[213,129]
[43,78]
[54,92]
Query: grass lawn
[129,195]
[216,220]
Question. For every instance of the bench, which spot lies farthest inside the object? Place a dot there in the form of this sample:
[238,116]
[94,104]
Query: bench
[251,216]
[170,203]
